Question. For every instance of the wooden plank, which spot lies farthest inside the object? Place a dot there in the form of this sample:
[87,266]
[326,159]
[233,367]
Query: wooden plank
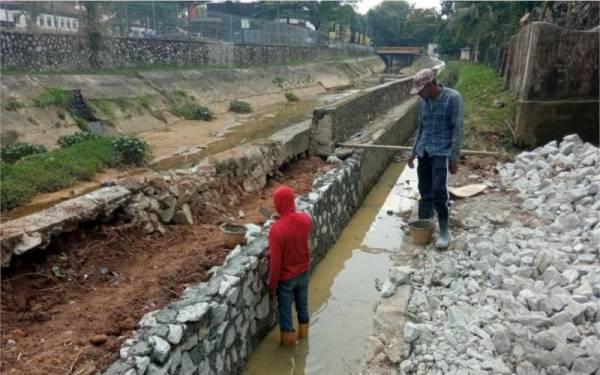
[409,148]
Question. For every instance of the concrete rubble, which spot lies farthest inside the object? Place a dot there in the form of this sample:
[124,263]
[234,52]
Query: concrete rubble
[519,296]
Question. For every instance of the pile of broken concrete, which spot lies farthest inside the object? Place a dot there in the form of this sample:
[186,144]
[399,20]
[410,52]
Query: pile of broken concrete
[524,298]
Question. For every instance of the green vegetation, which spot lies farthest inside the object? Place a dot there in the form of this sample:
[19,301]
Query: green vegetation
[127,105]
[17,151]
[192,111]
[131,150]
[291,97]
[278,81]
[481,87]
[239,106]
[62,167]
[12,104]
[72,139]
[54,96]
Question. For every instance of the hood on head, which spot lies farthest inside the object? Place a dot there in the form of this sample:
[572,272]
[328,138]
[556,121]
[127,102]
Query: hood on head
[284,200]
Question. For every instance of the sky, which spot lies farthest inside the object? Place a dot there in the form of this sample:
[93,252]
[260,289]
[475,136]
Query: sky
[365,5]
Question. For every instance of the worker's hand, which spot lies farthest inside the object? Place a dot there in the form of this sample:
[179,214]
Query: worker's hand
[273,292]
[411,162]
[453,165]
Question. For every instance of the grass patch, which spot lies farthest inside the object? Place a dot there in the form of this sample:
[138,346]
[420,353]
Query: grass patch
[12,104]
[145,101]
[291,97]
[485,125]
[63,167]
[127,105]
[195,112]
[240,106]
[73,139]
[54,96]
[279,81]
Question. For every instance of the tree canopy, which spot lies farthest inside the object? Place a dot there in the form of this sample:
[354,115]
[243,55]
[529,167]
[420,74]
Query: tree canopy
[397,23]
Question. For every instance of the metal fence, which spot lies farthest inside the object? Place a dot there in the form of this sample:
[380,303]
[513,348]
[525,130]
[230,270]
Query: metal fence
[166,21]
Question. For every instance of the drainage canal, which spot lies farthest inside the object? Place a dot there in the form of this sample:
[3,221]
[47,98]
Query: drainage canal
[342,291]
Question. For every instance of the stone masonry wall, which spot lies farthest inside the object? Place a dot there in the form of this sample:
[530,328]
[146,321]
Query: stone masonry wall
[216,325]
[42,52]
[340,121]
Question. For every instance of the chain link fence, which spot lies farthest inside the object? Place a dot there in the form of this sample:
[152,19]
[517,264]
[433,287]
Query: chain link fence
[164,21]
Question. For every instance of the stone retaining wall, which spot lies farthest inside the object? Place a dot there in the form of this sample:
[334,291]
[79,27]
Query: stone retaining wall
[348,118]
[215,326]
[40,52]
[338,122]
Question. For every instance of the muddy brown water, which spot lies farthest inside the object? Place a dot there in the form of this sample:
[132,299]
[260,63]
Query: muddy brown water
[342,291]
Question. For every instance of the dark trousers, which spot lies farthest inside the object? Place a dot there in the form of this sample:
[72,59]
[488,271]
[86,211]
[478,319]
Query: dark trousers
[433,187]
[288,292]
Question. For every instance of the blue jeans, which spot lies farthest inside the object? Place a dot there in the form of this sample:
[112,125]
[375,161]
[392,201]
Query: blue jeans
[289,291]
[433,187]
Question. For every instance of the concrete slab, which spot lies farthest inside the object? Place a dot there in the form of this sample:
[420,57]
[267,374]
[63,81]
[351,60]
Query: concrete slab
[34,231]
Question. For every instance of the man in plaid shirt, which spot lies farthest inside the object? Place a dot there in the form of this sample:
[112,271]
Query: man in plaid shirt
[437,147]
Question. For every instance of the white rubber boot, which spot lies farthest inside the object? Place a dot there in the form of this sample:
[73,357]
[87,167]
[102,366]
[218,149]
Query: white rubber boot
[443,239]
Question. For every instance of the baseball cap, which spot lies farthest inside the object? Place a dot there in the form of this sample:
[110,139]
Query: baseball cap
[422,78]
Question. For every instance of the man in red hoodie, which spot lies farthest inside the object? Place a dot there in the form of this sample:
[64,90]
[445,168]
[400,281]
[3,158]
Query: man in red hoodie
[289,264]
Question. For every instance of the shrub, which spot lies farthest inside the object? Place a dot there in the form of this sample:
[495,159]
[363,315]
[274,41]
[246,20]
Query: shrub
[12,104]
[240,106]
[71,139]
[16,151]
[291,97]
[132,150]
[195,112]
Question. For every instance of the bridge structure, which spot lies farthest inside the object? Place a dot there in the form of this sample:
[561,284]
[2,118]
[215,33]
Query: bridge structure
[399,56]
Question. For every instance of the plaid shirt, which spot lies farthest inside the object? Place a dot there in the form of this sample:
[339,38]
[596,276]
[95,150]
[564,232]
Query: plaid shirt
[440,127]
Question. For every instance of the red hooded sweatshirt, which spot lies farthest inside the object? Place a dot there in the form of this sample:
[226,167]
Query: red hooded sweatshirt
[289,255]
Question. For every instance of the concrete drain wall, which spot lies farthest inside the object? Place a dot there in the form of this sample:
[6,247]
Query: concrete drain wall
[215,326]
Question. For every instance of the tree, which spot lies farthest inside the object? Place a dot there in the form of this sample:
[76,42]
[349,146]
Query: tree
[321,14]
[421,27]
[396,23]
[479,24]
[387,21]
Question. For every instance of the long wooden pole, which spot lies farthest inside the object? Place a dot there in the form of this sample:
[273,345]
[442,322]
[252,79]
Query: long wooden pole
[409,148]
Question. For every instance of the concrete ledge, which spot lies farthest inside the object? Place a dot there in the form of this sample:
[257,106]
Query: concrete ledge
[36,230]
